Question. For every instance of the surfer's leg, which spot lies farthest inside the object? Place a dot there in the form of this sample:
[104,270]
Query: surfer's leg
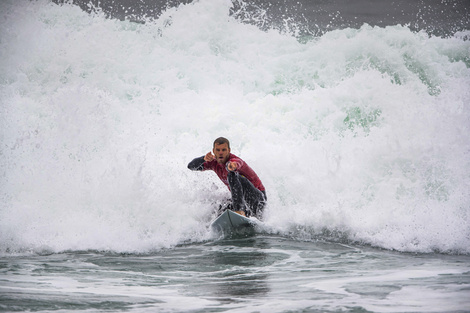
[259,202]
[236,189]
[243,192]
[255,198]
[225,205]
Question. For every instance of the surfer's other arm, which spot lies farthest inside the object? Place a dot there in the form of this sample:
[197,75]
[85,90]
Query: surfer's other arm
[197,164]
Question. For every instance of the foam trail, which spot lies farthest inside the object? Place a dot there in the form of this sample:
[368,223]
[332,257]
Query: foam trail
[360,134]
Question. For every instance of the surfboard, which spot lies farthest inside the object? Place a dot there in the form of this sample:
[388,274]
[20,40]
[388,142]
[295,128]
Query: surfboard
[230,222]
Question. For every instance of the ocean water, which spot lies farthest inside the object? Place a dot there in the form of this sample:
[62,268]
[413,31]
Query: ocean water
[357,122]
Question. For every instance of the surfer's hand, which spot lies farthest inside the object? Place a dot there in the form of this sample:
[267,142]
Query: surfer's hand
[209,157]
[232,166]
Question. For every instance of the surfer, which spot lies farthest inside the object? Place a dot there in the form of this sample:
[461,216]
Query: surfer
[248,193]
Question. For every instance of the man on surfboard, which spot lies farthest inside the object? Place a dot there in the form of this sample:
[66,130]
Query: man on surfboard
[248,193]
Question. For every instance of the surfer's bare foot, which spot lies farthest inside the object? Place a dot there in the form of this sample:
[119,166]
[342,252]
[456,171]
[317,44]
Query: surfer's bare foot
[241,213]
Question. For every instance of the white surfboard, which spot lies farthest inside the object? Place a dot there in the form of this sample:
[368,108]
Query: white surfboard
[230,222]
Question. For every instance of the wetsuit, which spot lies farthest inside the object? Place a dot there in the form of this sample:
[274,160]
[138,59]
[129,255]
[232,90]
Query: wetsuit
[245,186]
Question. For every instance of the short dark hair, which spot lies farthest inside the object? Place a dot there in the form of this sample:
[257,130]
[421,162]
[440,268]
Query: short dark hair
[221,141]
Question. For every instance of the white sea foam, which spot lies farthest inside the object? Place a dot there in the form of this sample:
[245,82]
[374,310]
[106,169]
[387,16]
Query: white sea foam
[360,134]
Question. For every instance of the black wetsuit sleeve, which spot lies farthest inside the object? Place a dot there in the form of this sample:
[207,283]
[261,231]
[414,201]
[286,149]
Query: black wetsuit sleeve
[197,164]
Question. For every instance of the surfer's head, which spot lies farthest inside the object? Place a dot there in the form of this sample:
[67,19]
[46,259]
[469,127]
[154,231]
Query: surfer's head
[221,141]
[221,149]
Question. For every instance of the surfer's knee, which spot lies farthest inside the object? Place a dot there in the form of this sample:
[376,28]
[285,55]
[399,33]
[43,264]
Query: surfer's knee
[234,180]
[232,175]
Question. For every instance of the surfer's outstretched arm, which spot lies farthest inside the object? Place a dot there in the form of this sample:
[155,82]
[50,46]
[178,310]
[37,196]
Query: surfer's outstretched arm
[197,164]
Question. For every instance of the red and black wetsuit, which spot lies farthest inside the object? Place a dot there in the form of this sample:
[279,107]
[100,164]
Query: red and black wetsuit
[243,183]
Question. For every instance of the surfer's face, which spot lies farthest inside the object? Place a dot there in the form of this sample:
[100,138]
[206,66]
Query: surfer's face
[221,153]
